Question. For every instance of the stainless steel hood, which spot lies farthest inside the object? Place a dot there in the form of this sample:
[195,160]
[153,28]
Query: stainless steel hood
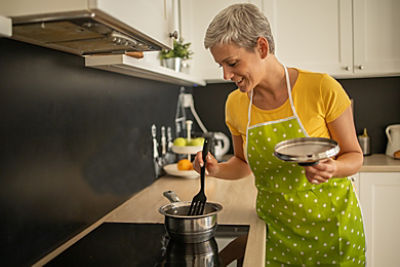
[82,33]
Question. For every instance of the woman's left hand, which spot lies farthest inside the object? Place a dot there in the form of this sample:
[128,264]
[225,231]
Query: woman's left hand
[321,172]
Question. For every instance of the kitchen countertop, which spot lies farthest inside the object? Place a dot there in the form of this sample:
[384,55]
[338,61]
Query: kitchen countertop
[380,163]
[237,198]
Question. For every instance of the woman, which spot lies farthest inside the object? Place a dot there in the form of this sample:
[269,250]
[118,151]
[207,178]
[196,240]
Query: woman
[312,212]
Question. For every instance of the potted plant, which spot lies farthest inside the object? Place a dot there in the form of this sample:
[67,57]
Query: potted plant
[173,58]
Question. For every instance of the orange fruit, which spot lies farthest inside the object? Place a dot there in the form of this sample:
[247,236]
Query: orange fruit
[185,165]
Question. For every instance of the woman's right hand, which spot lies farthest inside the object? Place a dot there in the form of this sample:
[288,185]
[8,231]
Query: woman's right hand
[211,166]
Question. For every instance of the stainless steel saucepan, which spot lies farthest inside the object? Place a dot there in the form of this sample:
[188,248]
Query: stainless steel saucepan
[185,228]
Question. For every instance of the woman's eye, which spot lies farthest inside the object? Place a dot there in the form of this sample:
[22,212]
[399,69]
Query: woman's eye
[232,64]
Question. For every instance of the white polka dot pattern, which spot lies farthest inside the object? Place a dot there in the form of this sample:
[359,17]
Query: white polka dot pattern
[307,224]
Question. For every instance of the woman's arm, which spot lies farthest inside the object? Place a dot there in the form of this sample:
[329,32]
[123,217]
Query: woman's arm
[235,168]
[350,157]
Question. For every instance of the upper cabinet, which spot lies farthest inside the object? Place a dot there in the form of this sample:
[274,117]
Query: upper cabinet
[313,35]
[376,37]
[344,38]
[196,16]
[157,18]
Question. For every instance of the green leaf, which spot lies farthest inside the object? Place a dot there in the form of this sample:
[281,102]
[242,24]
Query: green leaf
[180,49]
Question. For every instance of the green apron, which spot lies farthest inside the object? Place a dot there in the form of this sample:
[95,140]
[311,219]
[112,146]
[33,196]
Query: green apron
[308,224]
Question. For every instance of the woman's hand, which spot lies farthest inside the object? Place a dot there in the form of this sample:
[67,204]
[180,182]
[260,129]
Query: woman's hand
[321,172]
[211,166]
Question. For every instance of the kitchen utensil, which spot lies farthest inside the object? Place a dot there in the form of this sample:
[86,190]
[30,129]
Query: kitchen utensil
[189,134]
[169,139]
[169,157]
[163,142]
[393,145]
[172,169]
[199,200]
[157,160]
[306,151]
[186,228]
[365,143]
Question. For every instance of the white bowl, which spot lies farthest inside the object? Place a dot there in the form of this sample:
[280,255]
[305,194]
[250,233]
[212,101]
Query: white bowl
[172,169]
[186,149]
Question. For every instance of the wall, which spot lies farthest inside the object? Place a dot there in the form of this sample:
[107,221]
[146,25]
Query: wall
[376,105]
[75,143]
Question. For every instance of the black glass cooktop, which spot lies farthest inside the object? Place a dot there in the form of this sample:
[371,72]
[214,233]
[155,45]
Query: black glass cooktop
[132,244]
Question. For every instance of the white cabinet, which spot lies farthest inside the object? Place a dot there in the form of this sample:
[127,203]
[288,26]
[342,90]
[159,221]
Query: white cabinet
[311,34]
[196,16]
[376,37]
[344,38]
[380,202]
[157,18]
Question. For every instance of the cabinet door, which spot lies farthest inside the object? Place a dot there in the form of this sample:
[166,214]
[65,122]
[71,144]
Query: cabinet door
[156,18]
[312,34]
[376,37]
[196,16]
[380,199]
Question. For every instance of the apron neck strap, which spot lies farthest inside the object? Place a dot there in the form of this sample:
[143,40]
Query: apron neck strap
[289,88]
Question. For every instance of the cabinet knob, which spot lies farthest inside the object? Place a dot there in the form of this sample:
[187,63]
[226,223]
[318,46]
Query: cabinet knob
[360,67]
[173,34]
[347,68]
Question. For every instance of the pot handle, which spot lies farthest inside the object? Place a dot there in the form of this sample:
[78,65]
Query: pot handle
[171,196]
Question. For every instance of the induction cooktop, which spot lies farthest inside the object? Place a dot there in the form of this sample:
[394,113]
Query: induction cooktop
[133,244]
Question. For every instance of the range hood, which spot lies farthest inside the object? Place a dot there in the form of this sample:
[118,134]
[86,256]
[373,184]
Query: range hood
[82,33]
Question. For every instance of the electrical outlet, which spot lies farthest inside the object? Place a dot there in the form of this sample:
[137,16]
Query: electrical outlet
[187,100]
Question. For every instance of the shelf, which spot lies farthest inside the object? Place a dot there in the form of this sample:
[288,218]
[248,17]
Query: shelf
[135,67]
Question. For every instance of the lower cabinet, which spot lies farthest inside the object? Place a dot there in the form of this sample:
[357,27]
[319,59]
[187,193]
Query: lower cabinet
[380,201]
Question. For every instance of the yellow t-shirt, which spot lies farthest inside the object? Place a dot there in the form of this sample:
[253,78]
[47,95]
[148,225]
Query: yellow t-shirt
[318,100]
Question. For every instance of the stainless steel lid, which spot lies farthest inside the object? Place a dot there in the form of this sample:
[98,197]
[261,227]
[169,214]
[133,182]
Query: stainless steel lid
[306,149]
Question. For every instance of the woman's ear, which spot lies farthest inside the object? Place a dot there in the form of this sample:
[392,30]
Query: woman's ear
[262,47]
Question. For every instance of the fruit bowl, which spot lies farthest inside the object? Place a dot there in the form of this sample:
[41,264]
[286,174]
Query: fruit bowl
[186,149]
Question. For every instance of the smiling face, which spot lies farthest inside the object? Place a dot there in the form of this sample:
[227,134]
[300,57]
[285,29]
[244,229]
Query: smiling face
[239,65]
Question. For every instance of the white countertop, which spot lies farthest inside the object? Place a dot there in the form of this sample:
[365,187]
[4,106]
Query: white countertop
[380,163]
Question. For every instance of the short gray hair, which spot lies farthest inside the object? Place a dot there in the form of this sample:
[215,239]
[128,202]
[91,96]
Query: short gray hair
[241,24]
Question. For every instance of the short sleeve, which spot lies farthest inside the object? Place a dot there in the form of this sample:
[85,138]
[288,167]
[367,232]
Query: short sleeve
[335,98]
[229,115]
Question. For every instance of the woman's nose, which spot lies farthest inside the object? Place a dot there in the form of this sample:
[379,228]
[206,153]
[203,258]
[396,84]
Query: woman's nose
[227,74]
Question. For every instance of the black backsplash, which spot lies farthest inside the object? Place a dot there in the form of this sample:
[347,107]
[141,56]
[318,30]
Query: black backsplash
[75,143]
[376,105]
